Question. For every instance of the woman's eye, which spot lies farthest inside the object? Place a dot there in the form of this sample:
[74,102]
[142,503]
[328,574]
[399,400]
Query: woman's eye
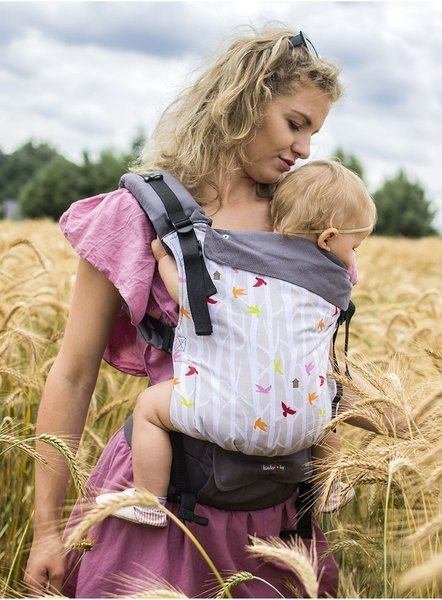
[293,125]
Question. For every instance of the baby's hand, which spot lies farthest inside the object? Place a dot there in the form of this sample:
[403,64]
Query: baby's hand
[158,249]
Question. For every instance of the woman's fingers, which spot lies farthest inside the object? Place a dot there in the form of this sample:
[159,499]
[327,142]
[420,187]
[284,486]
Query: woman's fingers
[45,570]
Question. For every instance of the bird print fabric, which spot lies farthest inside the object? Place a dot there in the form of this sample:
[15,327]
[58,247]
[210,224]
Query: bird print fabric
[258,384]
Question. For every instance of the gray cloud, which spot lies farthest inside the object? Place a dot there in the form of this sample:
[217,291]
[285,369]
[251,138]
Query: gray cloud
[88,74]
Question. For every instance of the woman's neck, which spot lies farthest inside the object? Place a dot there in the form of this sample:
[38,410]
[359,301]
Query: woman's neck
[240,207]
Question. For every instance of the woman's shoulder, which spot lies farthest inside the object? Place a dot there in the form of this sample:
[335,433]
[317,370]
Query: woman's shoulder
[101,212]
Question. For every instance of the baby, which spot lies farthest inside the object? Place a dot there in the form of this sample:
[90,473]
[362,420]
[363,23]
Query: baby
[328,207]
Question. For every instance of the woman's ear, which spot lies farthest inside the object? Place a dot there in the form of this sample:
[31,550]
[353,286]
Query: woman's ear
[325,237]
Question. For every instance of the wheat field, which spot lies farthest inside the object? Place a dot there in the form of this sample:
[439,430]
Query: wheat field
[386,540]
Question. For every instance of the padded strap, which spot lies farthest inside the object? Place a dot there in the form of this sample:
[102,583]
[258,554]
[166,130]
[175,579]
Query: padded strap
[198,282]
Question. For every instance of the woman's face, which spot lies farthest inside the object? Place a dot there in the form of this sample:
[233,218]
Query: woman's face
[284,135]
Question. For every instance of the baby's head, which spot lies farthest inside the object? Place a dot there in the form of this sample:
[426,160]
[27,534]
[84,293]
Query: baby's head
[327,203]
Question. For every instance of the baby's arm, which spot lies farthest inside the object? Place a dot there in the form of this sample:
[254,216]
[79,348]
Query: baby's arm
[167,269]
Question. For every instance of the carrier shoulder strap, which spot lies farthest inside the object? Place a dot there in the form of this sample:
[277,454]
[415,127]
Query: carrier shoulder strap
[345,317]
[174,213]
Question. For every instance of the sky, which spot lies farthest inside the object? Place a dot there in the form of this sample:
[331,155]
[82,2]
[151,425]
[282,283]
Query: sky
[91,75]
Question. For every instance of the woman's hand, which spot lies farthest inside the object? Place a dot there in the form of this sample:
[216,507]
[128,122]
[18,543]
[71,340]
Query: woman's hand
[46,566]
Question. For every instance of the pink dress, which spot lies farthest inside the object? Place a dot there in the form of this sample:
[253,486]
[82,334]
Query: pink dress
[111,232]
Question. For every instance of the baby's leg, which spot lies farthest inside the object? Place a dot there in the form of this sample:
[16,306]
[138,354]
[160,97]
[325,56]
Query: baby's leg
[151,449]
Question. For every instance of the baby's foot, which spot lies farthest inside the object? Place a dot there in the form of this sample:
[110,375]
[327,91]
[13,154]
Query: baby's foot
[137,513]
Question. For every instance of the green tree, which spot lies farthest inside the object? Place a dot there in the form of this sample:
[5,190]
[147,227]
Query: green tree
[350,161]
[102,175]
[403,208]
[17,168]
[52,189]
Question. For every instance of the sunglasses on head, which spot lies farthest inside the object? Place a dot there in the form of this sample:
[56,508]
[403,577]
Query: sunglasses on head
[302,40]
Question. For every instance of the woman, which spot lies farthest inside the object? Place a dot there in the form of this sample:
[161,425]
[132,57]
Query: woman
[229,138]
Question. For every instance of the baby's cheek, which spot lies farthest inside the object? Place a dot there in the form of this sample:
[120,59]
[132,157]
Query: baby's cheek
[353,273]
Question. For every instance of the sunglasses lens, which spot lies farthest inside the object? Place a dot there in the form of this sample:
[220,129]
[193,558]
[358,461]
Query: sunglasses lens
[302,40]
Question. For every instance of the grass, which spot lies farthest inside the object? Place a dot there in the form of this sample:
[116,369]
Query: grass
[387,540]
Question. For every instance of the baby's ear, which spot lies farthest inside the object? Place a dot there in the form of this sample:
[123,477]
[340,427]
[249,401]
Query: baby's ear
[325,237]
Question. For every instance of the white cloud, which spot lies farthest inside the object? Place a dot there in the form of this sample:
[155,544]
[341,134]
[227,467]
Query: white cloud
[87,75]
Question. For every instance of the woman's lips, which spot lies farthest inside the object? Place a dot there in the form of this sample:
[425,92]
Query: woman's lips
[286,163]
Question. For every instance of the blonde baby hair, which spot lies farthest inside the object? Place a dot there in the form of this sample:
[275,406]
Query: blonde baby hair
[319,195]
[202,134]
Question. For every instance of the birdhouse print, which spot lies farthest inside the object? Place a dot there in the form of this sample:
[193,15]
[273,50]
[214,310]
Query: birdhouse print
[217,276]
[295,383]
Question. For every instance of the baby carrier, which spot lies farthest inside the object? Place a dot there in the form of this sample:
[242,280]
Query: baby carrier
[235,286]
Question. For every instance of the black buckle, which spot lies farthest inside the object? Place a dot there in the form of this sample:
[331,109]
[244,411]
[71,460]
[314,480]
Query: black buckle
[168,337]
[187,501]
[154,176]
[183,225]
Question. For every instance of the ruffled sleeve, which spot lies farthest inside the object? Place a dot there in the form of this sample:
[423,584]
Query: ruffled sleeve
[113,234]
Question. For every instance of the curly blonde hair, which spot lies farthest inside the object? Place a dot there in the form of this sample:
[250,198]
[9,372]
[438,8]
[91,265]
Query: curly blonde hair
[202,134]
[319,195]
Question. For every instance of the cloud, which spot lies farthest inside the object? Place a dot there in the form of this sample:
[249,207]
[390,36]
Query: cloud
[89,74]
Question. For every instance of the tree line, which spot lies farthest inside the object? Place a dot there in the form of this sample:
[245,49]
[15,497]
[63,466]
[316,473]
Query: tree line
[44,183]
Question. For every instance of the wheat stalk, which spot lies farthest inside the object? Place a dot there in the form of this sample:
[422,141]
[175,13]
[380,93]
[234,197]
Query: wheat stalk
[422,574]
[60,445]
[30,244]
[294,555]
[14,442]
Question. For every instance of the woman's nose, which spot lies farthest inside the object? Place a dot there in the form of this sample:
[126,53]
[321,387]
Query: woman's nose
[301,147]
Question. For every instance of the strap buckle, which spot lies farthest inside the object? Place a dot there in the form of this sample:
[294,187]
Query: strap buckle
[187,501]
[183,225]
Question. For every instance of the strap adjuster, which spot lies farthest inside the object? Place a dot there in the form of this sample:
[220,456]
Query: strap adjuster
[154,176]
[183,225]
[187,502]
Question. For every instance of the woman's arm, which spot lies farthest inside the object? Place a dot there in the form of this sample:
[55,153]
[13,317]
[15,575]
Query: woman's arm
[63,410]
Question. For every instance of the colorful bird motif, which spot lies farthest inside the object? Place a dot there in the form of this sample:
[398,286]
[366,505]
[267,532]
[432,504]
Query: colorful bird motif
[175,381]
[321,325]
[321,412]
[235,270]
[253,310]
[312,397]
[277,364]
[238,292]
[191,371]
[336,311]
[212,301]
[184,312]
[262,390]
[181,280]
[286,410]
[259,282]
[187,404]
[321,380]
[259,424]
[309,368]
[176,355]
